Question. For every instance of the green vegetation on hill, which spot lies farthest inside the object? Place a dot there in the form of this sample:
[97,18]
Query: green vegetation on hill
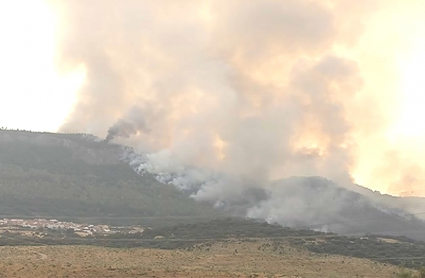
[394,250]
[226,228]
[388,249]
[68,175]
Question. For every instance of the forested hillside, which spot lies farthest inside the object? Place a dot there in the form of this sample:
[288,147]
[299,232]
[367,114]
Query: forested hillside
[45,174]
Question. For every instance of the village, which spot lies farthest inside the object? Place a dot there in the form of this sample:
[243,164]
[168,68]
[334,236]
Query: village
[54,224]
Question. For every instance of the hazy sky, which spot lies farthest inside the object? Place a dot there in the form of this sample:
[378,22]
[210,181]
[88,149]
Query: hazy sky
[52,57]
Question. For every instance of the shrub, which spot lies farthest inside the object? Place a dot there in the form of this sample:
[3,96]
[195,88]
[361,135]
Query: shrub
[421,272]
[404,273]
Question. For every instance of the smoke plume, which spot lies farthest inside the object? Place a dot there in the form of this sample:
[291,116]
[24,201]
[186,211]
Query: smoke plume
[133,123]
[256,90]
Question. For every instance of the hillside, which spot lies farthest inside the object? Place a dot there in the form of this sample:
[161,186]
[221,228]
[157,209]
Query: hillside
[325,206]
[44,174]
[414,205]
[394,250]
[82,178]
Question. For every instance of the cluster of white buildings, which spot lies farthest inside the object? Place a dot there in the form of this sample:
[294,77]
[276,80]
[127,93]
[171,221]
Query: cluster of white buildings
[55,225]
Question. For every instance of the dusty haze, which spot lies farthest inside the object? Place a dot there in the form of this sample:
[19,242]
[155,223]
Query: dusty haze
[259,90]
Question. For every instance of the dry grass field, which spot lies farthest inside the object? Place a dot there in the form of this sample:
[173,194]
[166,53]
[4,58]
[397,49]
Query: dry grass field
[222,259]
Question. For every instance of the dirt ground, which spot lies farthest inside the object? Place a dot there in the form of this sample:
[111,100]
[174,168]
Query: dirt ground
[221,259]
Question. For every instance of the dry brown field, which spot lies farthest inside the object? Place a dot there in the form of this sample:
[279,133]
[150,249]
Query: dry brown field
[221,259]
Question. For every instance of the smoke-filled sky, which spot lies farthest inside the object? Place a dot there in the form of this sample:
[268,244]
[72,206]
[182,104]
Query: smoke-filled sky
[259,89]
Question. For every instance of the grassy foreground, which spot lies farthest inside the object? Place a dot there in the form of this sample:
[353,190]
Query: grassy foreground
[231,258]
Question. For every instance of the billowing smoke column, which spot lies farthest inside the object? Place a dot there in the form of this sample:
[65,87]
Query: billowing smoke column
[252,89]
[132,124]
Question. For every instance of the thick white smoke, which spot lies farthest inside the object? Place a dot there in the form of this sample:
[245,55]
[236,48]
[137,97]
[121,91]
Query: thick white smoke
[253,90]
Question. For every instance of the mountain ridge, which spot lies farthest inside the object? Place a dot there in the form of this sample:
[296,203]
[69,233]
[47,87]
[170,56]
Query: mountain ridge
[73,175]
[80,175]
